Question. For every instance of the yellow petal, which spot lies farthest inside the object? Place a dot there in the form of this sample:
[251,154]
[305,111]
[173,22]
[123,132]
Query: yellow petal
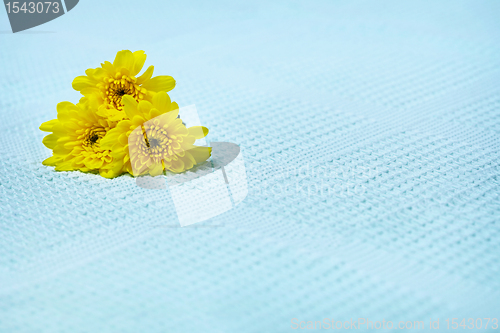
[144,107]
[153,113]
[79,159]
[65,107]
[162,102]
[190,158]
[160,83]
[123,139]
[106,173]
[60,150]
[97,163]
[146,75]
[50,141]
[110,138]
[140,59]
[59,129]
[130,106]
[90,91]
[199,132]
[96,74]
[47,126]
[70,144]
[108,67]
[138,120]
[124,125]
[82,82]
[109,173]
[200,154]
[51,161]
[124,59]
[187,142]
[179,127]
[168,117]
[156,170]
[188,162]
[177,165]
[65,166]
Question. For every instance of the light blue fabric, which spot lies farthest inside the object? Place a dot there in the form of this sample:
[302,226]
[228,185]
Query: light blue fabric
[394,106]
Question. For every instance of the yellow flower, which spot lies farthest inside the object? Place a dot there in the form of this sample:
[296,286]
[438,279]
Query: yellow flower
[110,82]
[154,139]
[76,139]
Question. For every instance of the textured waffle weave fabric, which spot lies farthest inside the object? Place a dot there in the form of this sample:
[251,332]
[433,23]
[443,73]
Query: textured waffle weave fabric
[370,136]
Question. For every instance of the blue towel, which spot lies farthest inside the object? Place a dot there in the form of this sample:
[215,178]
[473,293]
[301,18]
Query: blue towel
[369,132]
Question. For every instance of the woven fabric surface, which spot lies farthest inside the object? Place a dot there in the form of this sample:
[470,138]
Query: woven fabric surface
[370,136]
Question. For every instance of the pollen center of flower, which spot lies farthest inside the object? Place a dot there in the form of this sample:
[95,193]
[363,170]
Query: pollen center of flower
[92,137]
[114,88]
[121,92]
[155,143]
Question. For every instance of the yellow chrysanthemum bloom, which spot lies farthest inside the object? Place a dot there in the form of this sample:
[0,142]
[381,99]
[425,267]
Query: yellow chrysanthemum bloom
[76,139]
[154,139]
[110,82]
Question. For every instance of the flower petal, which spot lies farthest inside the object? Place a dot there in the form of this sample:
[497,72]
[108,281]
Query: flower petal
[144,107]
[123,139]
[130,106]
[65,107]
[200,154]
[140,59]
[89,91]
[146,75]
[124,59]
[110,139]
[177,165]
[153,113]
[51,161]
[199,132]
[108,67]
[82,82]
[65,166]
[50,141]
[168,117]
[156,170]
[162,102]
[160,83]
[115,171]
[48,125]
[96,74]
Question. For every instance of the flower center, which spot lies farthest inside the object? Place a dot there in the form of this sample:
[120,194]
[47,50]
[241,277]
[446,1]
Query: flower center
[92,137]
[121,91]
[114,88]
[156,143]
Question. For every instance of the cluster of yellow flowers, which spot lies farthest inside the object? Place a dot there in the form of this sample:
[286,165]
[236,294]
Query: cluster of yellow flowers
[124,123]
